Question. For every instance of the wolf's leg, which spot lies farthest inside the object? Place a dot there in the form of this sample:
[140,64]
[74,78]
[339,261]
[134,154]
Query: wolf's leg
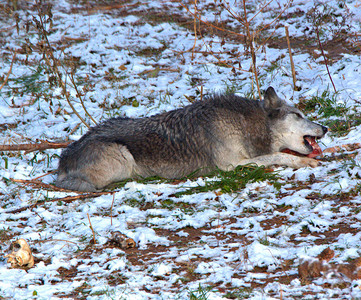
[75,181]
[282,159]
[114,163]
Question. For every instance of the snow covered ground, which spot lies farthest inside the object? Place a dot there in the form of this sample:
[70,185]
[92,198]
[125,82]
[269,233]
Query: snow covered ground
[140,58]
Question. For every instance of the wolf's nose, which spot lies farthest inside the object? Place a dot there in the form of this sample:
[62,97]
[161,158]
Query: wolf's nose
[324,129]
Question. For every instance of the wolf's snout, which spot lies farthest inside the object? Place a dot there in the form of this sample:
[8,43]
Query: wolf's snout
[324,129]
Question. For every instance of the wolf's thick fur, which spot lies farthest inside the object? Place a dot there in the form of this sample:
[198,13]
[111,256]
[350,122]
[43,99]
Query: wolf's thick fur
[221,131]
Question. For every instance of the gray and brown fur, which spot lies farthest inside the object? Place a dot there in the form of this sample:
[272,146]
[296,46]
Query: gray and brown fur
[222,131]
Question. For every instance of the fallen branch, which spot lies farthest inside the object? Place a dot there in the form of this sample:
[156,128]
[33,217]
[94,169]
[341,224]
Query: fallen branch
[64,199]
[43,145]
[55,188]
[39,183]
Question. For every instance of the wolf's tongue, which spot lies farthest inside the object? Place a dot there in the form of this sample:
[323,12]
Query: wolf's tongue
[316,148]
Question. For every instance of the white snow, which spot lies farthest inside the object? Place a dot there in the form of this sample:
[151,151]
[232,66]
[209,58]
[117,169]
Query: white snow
[202,240]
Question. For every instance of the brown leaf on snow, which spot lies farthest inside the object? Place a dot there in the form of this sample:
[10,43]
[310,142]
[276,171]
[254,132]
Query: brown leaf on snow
[326,255]
[320,266]
[347,147]
[312,268]
[315,267]
[121,240]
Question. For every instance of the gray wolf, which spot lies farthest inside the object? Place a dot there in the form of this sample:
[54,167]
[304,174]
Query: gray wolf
[223,131]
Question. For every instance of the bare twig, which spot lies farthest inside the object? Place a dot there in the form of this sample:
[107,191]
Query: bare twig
[91,227]
[250,41]
[54,67]
[291,59]
[9,72]
[111,211]
[43,145]
[209,24]
[56,240]
[110,7]
[276,18]
[260,10]
[46,174]
[200,89]
[195,28]
[214,54]
[73,130]
[324,58]
[81,99]
[39,183]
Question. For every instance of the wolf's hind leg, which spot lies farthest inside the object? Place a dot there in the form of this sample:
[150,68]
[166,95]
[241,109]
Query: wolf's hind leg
[75,181]
[93,172]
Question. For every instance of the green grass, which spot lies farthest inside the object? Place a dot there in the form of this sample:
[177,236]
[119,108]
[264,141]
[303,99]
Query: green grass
[30,84]
[331,113]
[325,105]
[201,293]
[264,240]
[234,181]
[342,126]
[222,181]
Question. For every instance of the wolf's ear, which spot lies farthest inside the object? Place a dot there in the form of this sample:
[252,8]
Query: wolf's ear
[271,100]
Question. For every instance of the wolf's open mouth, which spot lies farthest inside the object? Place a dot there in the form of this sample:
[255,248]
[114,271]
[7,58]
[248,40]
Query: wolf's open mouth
[310,142]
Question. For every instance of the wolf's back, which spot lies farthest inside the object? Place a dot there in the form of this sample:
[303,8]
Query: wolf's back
[171,145]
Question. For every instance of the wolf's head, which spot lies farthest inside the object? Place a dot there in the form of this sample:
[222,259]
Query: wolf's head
[292,132]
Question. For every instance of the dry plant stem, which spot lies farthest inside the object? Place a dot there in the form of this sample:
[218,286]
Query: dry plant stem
[233,14]
[291,59]
[201,91]
[8,74]
[239,19]
[54,67]
[209,24]
[73,130]
[43,145]
[195,28]
[111,211]
[56,240]
[264,6]
[91,227]
[220,61]
[325,59]
[275,19]
[110,7]
[250,44]
[46,174]
[81,99]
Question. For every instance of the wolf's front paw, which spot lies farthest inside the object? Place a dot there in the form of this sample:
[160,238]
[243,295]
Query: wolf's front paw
[309,162]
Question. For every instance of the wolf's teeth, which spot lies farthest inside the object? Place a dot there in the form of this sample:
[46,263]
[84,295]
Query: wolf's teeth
[317,151]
